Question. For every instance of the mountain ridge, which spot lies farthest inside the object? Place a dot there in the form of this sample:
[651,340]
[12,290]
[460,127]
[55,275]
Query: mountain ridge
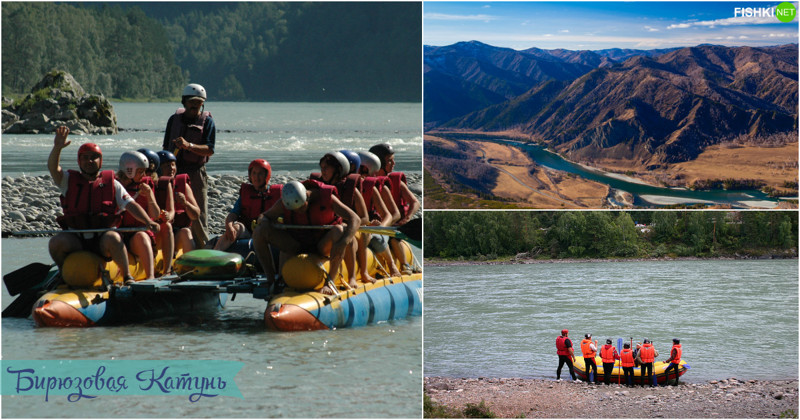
[652,109]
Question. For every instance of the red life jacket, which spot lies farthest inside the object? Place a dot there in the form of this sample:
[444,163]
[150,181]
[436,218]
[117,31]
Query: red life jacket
[347,190]
[626,358]
[254,202]
[647,353]
[346,187]
[191,132]
[677,358]
[395,178]
[561,346]
[367,185]
[133,189]
[179,185]
[586,349]
[89,204]
[607,353]
[319,210]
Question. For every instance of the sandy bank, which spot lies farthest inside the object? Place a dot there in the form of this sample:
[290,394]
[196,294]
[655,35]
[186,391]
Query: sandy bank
[540,398]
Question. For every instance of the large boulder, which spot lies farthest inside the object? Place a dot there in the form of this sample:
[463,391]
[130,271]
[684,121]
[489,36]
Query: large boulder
[58,99]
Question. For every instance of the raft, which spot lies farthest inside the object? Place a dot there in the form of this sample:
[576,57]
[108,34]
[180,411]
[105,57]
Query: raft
[618,376]
[301,307]
[92,293]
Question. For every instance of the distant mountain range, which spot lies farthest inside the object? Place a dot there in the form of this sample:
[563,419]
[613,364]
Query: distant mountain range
[652,107]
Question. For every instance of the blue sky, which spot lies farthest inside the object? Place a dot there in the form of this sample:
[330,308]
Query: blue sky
[600,25]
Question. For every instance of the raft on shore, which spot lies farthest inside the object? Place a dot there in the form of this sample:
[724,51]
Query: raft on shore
[92,296]
[618,376]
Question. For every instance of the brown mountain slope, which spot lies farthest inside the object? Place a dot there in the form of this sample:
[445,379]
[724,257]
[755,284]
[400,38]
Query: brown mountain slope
[654,111]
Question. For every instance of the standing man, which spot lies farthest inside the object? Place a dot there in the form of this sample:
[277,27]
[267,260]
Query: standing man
[191,135]
[609,355]
[589,350]
[648,355]
[674,359]
[565,354]
[627,361]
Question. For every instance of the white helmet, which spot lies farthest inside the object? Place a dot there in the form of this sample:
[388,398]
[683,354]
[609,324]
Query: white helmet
[370,161]
[130,161]
[293,195]
[193,91]
[341,160]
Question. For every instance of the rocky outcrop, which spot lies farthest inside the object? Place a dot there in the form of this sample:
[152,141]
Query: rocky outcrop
[55,101]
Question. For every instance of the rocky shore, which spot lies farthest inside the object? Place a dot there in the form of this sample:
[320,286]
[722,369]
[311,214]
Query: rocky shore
[31,203]
[540,398]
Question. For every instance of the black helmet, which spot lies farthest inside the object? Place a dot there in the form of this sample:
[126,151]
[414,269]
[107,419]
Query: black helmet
[608,341]
[382,151]
[676,341]
[646,340]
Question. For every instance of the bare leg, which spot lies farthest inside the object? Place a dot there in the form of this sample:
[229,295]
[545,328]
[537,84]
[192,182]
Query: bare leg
[261,242]
[329,244]
[143,250]
[399,253]
[350,263]
[165,241]
[362,259]
[184,240]
[113,247]
[386,256]
[62,245]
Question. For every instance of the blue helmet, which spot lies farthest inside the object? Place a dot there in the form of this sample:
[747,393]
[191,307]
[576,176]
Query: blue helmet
[353,158]
[152,158]
[166,156]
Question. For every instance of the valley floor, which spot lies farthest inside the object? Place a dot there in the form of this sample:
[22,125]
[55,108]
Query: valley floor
[521,183]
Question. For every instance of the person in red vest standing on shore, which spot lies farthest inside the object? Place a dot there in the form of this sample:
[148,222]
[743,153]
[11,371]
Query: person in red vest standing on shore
[609,355]
[674,359]
[589,350]
[648,355]
[627,361]
[566,354]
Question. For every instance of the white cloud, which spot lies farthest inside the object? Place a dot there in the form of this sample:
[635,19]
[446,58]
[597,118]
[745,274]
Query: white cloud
[564,31]
[444,16]
[650,29]
[755,20]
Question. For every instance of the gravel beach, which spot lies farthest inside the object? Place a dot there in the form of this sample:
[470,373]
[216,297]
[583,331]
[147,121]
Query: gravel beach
[540,398]
[31,202]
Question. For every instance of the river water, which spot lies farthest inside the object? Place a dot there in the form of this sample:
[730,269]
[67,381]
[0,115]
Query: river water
[643,192]
[734,318]
[291,136]
[369,372]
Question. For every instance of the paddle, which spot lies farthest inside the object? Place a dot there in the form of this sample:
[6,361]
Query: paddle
[26,277]
[52,232]
[21,306]
[413,231]
[619,351]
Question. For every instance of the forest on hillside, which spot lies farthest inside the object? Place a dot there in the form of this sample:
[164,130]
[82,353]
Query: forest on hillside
[257,51]
[480,235]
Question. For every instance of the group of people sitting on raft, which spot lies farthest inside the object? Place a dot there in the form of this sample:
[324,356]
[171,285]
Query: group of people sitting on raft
[643,356]
[351,190]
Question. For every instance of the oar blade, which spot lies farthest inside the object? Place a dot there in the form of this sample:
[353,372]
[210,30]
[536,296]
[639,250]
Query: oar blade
[412,229]
[26,277]
[22,306]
